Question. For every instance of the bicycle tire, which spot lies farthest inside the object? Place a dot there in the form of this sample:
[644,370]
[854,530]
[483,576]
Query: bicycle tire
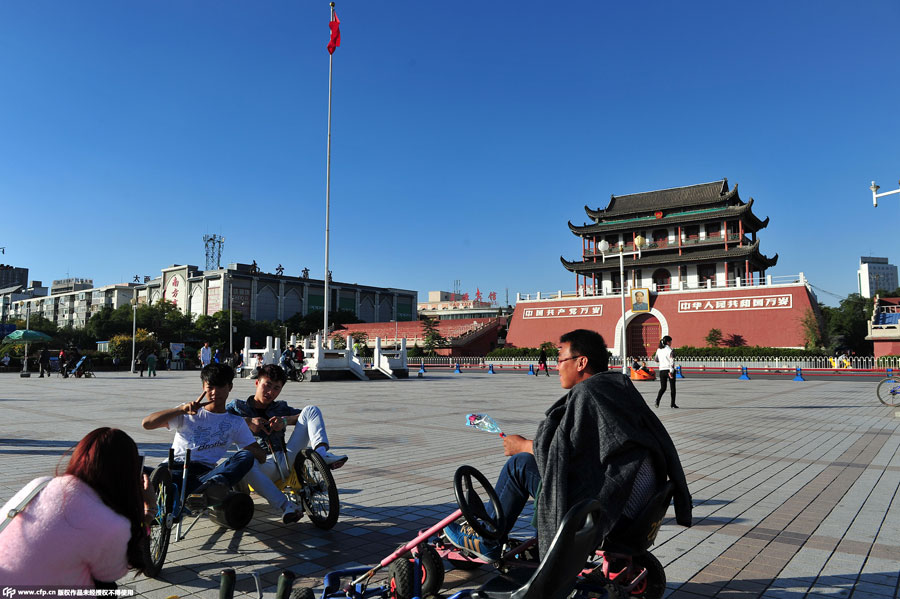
[888,391]
[319,494]
[156,545]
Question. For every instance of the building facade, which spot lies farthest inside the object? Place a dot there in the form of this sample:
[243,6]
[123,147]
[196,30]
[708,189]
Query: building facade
[11,276]
[72,308]
[272,296]
[875,274]
[700,269]
[699,235]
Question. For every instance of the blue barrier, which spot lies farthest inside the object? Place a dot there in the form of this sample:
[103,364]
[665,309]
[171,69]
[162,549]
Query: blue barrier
[457,370]
[491,369]
[531,369]
[678,374]
[799,376]
[744,376]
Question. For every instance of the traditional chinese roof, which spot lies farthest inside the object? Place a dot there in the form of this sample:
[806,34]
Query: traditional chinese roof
[743,211]
[677,198]
[718,254]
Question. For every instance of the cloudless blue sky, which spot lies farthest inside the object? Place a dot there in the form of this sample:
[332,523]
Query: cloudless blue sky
[465,134]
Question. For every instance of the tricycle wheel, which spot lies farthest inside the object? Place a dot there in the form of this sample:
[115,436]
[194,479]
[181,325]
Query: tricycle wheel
[654,584]
[303,593]
[156,544]
[401,583]
[319,494]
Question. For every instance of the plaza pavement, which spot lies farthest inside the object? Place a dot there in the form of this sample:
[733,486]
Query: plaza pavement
[794,483]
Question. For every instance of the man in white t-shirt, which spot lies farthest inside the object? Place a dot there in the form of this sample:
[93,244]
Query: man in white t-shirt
[208,430]
[205,355]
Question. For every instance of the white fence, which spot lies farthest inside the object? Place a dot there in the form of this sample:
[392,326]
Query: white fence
[710,363]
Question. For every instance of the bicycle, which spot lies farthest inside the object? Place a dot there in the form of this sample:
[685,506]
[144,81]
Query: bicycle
[234,512]
[888,391]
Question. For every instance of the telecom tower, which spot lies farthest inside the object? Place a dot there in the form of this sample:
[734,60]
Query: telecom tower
[213,245]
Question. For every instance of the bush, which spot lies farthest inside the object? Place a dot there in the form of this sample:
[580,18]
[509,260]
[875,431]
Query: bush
[743,351]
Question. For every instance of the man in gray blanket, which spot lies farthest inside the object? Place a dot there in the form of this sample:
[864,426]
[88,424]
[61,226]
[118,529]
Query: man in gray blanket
[599,440]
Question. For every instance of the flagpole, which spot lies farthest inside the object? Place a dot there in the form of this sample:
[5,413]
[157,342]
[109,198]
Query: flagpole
[328,187]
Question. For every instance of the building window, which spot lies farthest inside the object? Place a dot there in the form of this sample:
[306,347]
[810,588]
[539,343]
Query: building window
[706,272]
[661,238]
[713,231]
[691,234]
[662,279]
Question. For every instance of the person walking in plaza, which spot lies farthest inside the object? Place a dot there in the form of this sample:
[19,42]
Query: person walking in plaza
[61,361]
[666,361]
[205,355]
[151,364]
[140,362]
[44,363]
[542,362]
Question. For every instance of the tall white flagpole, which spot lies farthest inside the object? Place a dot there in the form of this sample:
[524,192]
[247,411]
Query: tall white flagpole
[328,187]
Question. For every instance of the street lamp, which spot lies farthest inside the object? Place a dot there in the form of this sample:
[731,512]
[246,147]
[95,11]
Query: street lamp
[876,195]
[133,330]
[604,247]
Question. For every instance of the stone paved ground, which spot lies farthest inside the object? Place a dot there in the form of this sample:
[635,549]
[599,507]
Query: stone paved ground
[794,484]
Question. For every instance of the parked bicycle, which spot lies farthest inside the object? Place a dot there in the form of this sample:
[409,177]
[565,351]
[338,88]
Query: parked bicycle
[889,391]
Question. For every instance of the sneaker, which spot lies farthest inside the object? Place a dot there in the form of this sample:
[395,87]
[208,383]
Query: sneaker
[464,537]
[291,514]
[206,495]
[334,461]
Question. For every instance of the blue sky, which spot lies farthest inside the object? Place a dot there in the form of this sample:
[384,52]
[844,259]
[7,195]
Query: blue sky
[465,134]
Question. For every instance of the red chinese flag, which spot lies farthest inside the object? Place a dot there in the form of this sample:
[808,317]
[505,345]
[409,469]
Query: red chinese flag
[335,41]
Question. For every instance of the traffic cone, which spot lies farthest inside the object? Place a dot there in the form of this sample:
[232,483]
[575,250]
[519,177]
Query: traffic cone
[491,369]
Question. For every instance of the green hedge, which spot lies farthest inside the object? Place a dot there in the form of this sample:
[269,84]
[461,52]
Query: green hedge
[741,352]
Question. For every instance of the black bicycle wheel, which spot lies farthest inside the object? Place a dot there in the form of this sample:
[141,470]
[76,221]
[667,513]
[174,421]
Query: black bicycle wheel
[401,583]
[889,391]
[654,584]
[319,494]
[157,542]
[303,593]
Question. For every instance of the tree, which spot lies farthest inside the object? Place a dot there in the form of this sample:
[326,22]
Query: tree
[812,331]
[714,338]
[847,325]
[433,338]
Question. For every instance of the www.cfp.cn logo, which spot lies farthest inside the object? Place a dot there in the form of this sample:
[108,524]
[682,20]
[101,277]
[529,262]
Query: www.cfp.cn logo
[9,592]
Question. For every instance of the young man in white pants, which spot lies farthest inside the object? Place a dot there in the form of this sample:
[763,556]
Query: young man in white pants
[265,416]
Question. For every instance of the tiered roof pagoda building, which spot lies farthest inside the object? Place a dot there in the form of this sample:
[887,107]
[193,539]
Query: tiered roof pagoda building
[697,236]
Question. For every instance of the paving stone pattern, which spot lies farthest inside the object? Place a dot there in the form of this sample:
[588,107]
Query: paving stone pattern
[794,483]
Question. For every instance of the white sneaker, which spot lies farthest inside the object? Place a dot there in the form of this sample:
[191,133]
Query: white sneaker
[291,514]
[334,461]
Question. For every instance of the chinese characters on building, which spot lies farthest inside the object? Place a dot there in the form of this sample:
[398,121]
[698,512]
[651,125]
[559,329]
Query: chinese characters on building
[563,311]
[728,304]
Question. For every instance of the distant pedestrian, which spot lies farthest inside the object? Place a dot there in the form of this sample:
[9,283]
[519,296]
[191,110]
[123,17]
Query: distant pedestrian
[205,355]
[542,362]
[666,361]
[61,362]
[151,364]
[140,363]
[217,358]
[44,362]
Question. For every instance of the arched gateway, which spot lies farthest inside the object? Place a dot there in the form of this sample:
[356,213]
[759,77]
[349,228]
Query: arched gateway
[642,335]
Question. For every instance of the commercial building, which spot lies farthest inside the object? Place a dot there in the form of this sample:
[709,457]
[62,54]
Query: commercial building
[875,274]
[71,308]
[259,295]
[700,268]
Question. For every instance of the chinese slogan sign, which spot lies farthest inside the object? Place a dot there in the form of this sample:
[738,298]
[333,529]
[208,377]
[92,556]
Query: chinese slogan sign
[765,302]
[563,312]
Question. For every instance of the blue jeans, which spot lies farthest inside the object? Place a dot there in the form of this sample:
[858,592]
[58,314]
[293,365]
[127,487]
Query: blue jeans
[518,481]
[228,472]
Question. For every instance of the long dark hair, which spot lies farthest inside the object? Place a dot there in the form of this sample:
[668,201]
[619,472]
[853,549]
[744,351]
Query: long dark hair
[107,459]
[665,341]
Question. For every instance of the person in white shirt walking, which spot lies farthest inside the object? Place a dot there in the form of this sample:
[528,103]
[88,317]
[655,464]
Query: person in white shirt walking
[205,355]
[666,368]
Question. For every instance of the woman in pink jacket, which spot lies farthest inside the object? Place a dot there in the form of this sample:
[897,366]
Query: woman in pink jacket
[82,528]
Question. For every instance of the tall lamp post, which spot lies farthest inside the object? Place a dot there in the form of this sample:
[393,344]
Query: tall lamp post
[604,248]
[876,195]
[133,329]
